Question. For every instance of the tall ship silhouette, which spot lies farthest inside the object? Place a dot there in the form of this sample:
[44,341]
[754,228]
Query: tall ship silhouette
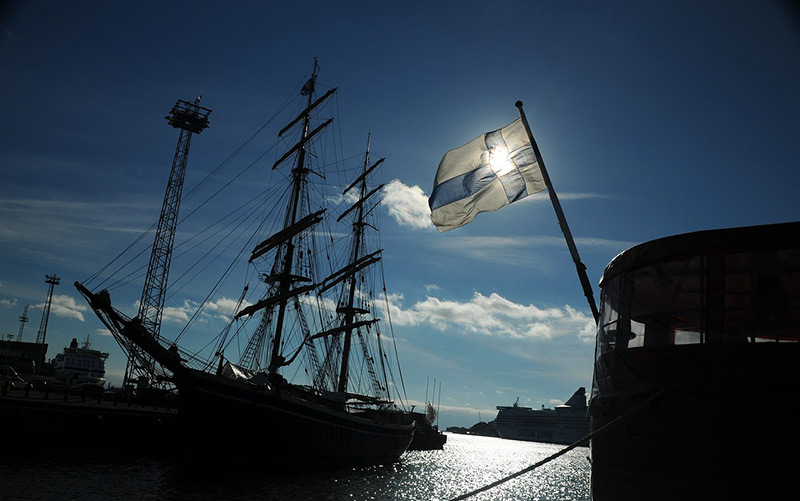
[302,369]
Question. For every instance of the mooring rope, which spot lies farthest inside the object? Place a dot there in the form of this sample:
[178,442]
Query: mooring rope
[563,451]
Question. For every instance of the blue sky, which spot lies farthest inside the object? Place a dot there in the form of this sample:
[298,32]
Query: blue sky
[653,118]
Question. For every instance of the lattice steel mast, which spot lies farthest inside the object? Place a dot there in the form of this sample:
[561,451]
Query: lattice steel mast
[190,118]
[22,321]
[52,280]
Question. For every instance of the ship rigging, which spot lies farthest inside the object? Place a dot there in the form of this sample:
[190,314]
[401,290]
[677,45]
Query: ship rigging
[302,348]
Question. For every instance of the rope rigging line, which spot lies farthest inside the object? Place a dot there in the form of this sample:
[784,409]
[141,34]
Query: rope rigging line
[565,450]
[234,178]
[140,271]
[101,270]
[130,276]
[188,196]
[244,248]
[404,398]
[196,240]
[261,196]
[216,286]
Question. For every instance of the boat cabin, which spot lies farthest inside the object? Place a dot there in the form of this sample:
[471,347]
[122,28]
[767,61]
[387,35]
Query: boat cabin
[698,346]
[739,285]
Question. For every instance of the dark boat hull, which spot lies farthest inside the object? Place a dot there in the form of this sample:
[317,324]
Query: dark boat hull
[720,433]
[287,424]
[282,423]
[428,441]
[426,437]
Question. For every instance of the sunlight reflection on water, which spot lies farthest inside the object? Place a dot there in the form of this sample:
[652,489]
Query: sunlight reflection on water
[466,463]
[469,463]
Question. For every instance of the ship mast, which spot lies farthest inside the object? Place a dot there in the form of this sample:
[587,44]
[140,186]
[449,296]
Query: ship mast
[288,263]
[299,173]
[349,310]
[350,315]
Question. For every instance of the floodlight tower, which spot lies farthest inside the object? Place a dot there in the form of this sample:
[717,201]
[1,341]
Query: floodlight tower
[52,280]
[22,321]
[190,118]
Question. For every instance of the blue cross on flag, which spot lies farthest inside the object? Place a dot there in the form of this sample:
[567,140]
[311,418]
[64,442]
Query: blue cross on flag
[488,173]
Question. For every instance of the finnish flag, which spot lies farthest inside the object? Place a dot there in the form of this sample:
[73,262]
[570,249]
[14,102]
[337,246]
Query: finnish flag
[491,171]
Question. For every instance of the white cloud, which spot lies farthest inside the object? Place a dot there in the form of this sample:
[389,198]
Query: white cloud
[408,205]
[519,250]
[543,196]
[493,315]
[179,314]
[220,309]
[224,307]
[7,303]
[65,306]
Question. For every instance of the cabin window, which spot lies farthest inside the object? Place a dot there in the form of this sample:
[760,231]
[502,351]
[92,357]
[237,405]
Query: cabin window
[609,317]
[637,334]
[735,298]
[687,337]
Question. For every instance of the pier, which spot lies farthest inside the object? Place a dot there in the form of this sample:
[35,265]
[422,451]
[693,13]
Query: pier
[36,421]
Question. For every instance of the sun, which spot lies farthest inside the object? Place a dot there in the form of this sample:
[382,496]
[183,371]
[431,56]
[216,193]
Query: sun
[499,161]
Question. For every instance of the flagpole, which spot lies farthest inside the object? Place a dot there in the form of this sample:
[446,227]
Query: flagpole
[562,221]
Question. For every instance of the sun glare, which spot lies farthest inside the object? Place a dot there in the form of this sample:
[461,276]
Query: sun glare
[499,161]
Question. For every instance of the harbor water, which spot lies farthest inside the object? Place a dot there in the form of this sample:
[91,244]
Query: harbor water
[466,463]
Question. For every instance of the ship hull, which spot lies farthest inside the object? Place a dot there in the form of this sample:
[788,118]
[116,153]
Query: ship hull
[286,423]
[541,426]
[702,435]
[426,437]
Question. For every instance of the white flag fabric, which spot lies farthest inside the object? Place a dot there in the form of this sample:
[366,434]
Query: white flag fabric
[488,173]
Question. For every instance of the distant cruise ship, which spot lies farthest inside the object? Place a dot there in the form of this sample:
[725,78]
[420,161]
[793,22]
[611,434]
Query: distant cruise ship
[565,424]
[80,364]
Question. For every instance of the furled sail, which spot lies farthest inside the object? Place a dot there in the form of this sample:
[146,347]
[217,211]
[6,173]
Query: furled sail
[306,111]
[359,203]
[363,176]
[286,233]
[345,328]
[302,142]
[350,270]
[273,300]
